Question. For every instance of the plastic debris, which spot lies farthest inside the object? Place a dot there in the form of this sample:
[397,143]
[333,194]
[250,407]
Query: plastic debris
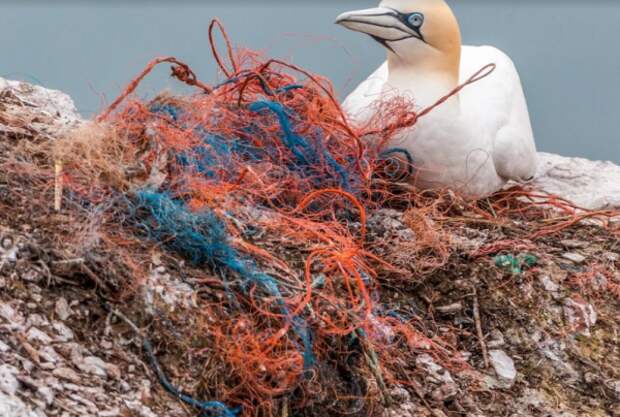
[516,264]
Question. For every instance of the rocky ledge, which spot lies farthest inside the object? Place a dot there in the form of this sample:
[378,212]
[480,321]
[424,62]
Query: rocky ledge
[551,335]
[593,185]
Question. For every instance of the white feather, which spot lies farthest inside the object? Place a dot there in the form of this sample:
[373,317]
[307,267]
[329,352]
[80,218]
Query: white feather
[475,150]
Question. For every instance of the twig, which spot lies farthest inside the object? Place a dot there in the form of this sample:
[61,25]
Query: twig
[58,185]
[375,367]
[72,266]
[491,208]
[92,275]
[285,407]
[483,345]
[130,323]
[68,262]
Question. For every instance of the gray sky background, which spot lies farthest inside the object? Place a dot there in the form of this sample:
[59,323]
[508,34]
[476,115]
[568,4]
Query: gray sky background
[566,51]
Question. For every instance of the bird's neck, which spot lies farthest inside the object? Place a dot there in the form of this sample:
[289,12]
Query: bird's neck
[424,81]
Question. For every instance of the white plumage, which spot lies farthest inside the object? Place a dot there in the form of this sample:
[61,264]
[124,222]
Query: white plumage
[475,142]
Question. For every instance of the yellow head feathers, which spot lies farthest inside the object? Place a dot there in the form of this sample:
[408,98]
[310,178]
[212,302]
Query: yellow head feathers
[418,33]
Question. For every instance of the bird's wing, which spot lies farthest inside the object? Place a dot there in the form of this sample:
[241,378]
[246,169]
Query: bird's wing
[358,105]
[498,103]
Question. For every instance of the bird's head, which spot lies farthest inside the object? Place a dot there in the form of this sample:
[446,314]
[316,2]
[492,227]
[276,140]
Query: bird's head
[415,32]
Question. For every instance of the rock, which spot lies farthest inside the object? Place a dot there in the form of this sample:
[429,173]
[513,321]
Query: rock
[50,112]
[87,403]
[435,373]
[533,398]
[162,287]
[504,365]
[64,333]
[8,380]
[614,386]
[8,248]
[611,256]
[15,320]
[575,244]
[574,257]
[445,392]
[46,394]
[67,374]
[11,406]
[62,309]
[450,309]
[591,378]
[580,315]
[125,387]
[36,298]
[95,366]
[32,275]
[4,347]
[555,351]
[145,391]
[438,413]
[36,335]
[496,340]
[491,383]
[48,354]
[37,320]
[53,383]
[139,409]
[109,413]
[548,283]
[48,366]
[403,406]
[74,351]
[400,394]
[26,364]
[589,184]
[113,371]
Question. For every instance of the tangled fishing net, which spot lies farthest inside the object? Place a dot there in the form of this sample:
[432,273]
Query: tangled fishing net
[263,188]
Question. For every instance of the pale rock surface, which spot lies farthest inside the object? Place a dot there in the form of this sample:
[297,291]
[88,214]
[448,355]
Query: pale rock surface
[62,309]
[548,283]
[574,257]
[580,315]
[8,380]
[504,365]
[50,112]
[588,184]
[94,365]
[12,406]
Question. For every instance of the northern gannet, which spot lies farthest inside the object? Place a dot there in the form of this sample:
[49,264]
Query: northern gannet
[479,139]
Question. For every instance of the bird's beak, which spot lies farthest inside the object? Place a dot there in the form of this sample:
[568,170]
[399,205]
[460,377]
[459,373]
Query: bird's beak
[383,24]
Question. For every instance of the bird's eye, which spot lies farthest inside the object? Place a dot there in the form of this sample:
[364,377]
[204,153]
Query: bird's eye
[416,19]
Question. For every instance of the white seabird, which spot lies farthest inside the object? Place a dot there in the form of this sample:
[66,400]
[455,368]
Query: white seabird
[479,139]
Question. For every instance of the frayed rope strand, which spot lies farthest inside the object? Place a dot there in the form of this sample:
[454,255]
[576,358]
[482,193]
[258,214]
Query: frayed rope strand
[207,408]
[202,238]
